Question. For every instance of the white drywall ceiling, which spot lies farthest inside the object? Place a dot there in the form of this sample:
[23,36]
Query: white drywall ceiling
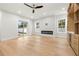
[22,10]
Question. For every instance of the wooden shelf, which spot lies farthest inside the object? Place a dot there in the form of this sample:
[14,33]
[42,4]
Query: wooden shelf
[71,9]
[76,7]
[76,16]
[76,28]
[76,22]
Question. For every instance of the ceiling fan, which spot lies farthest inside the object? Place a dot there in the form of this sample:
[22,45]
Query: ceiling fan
[33,7]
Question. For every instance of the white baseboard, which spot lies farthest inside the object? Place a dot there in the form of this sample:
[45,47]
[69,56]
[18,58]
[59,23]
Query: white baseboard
[9,38]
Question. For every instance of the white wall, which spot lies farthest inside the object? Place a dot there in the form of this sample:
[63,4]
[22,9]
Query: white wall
[52,25]
[0,24]
[9,25]
[33,27]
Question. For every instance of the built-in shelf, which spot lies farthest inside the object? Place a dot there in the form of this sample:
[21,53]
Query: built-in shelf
[76,21]
[73,24]
[76,28]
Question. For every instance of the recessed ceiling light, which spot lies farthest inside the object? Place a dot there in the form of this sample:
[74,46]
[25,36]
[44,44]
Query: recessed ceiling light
[63,8]
[44,13]
[19,12]
[32,17]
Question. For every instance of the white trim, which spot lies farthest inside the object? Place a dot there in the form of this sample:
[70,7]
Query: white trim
[10,38]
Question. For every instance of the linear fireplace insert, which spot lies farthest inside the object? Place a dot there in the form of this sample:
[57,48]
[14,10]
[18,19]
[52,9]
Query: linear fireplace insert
[47,32]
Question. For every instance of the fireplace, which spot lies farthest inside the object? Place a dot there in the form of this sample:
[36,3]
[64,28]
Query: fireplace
[47,32]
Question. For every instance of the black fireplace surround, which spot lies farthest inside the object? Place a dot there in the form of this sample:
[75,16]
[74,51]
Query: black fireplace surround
[47,32]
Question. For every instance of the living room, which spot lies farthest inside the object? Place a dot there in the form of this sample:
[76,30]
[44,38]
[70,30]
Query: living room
[31,29]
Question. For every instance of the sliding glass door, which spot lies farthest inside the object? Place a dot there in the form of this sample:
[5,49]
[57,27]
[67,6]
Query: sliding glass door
[22,28]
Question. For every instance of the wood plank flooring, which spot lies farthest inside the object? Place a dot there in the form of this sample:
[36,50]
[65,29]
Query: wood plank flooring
[36,46]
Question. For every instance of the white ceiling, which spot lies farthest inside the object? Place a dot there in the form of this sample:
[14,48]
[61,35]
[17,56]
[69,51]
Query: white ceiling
[22,10]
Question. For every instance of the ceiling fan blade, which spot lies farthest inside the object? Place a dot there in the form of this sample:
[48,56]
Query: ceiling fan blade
[38,7]
[33,11]
[28,5]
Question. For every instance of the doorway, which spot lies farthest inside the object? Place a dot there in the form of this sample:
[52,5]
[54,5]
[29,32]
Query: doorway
[22,28]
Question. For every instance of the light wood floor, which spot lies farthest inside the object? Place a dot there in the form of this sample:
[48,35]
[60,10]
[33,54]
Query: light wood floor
[36,46]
